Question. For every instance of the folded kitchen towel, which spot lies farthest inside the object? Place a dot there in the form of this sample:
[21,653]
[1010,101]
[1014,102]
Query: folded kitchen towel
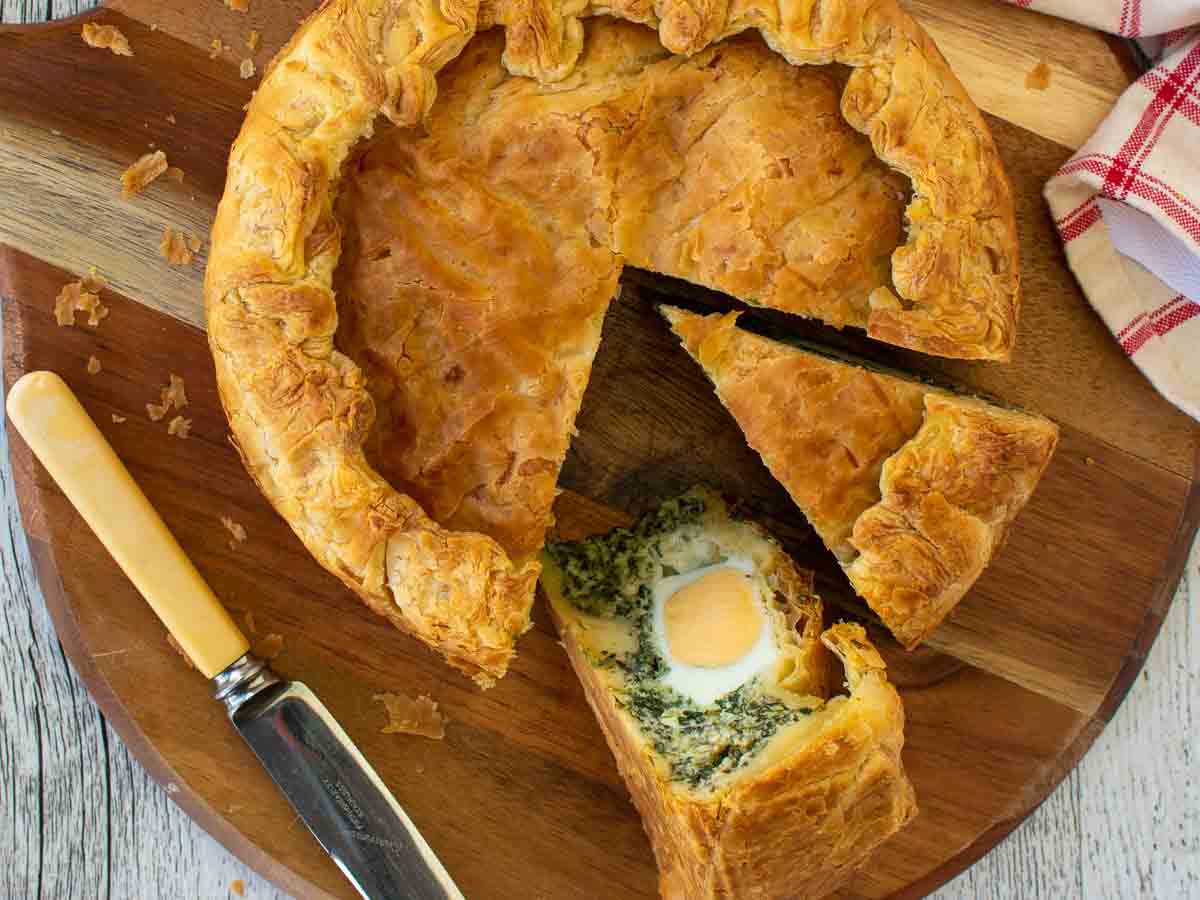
[1127,204]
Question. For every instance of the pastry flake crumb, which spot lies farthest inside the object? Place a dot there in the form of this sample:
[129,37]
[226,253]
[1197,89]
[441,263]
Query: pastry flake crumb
[171,118]
[409,716]
[1089,460]
[247,68]
[90,303]
[1038,78]
[80,296]
[117,420]
[178,649]
[175,174]
[94,282]
[137,177]
[238,887]
[106,37]
[64,305]
[93,365]
[194,243]
[253,40]
[216,48]
[269,647]
[173,248]
[179,427]
[175,392]
[173,396]
[238,5]
[238,532]
[250,624]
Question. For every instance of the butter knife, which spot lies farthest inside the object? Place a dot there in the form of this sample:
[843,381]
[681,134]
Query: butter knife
[326,779]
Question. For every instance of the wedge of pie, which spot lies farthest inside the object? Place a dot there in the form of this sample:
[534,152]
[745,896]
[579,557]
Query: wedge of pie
[410,426]
[761,748]
[912,487]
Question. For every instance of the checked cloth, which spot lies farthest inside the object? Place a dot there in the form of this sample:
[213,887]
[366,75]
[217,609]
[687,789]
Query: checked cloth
[1127,204]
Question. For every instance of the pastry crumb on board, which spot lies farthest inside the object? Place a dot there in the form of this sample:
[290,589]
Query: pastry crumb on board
[173,396]
[179,427]
[175,174]
[238,887]
[81,296]
[65,305]
[250,623]
[247,68]
[252,40]
[269,647]
[106,37]
[239,535]
[1038,78]
[93,365]
[117,419]
[138,176]
[409,716]
[216,48]
[238,5]
[177,248]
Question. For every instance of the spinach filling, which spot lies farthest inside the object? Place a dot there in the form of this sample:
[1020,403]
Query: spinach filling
[610,576]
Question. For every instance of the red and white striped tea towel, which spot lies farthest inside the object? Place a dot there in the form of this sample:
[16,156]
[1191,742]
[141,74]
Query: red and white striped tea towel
[1127,205]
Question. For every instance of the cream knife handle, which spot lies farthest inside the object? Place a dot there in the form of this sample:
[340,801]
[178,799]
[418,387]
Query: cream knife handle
[66,440]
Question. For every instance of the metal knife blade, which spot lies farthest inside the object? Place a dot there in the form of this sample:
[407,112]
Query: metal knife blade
[331,786]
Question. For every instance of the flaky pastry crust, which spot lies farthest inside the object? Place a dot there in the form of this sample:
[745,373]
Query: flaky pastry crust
[794,824]
[474,306]
[912,487]
[298,408]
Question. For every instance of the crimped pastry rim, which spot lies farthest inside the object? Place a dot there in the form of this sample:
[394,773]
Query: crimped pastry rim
[298,409]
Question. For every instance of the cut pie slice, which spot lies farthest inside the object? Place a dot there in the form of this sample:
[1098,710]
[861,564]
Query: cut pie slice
[761,749]
[912,487]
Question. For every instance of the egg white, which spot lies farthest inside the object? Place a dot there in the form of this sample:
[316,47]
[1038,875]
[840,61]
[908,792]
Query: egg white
[701,684]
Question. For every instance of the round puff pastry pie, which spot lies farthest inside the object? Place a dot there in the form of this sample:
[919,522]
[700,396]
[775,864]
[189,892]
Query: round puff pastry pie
[299,408]
[767,767]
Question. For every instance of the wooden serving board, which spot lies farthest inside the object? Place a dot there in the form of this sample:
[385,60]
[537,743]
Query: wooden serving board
[522,798]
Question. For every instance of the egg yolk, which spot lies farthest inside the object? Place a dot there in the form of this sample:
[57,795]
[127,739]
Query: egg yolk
[714,621]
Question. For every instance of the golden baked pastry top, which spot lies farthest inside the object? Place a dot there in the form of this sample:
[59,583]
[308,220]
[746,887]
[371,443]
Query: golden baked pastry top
[299,408]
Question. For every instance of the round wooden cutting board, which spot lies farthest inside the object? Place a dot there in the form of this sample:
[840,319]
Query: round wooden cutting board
[522,798]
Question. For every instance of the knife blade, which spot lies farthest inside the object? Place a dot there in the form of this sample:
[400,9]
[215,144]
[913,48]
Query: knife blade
[325,778]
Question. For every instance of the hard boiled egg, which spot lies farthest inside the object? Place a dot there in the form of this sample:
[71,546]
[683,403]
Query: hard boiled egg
[712,629]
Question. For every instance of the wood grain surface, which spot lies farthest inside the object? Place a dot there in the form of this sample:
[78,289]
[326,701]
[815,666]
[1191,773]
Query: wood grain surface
[1057,679]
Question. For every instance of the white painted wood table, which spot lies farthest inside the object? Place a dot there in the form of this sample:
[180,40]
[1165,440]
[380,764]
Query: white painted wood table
[79,818]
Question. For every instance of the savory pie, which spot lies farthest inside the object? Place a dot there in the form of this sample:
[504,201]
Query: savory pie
[912,487]
[761,749]
[445,550]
